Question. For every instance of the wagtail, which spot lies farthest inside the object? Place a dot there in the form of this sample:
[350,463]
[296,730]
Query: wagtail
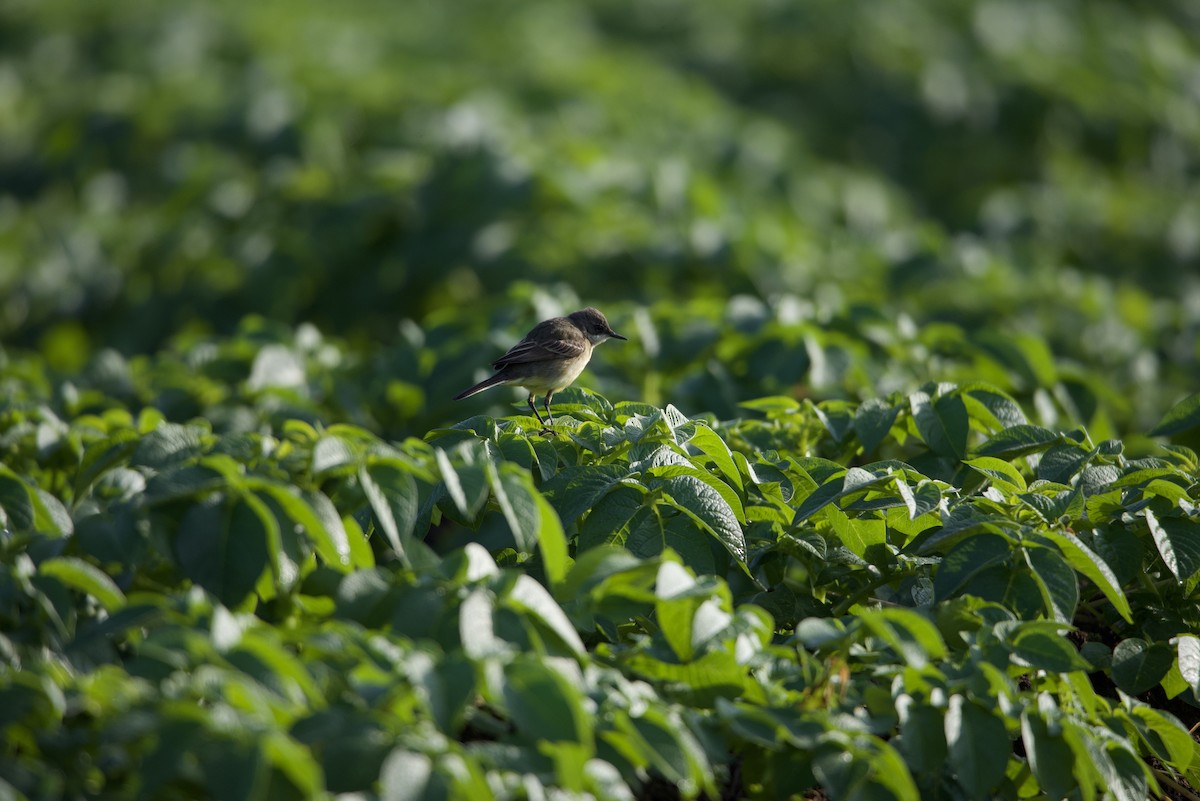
[549,358]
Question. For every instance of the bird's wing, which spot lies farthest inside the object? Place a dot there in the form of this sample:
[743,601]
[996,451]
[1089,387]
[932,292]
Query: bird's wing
[548,340]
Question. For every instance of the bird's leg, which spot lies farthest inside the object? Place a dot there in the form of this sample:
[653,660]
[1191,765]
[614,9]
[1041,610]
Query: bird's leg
[533,408]
[546,403]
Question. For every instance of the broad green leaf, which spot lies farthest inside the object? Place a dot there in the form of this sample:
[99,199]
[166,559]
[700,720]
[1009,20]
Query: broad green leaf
[392,494]
[966,560]
[332,453]
[222,546]
[326,528]
[543,704]
[1178,542]
[1087,562]
[168,444]
[942,423]
[1183,416]
[705,505]
[15,500]
[1000,473]
[872,421]
[610,521]
[85,577]
[857,533]
[1138,665]
[552,540]
[771,404]
[452,482]
[922,734]
[1188,650]
[1020,440]
[665,745]
[913,636]
[1050,756]
[517,503]
[889,770]
[992,406]
[574,490]
[294,761]
[978,745]
[701,681]
[1046,650]
[532,597]
[727,493]
[404,776]
[1056,581]
[711,445]
[1165,735]
[1062,462]
[476,625]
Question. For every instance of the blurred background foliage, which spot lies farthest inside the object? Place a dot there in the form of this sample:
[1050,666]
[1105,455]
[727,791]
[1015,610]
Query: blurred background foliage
[250,210]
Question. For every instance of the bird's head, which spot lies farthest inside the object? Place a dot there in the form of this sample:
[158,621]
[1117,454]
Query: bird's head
[593,325]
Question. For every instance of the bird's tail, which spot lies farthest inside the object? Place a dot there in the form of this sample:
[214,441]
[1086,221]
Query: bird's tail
[487,383]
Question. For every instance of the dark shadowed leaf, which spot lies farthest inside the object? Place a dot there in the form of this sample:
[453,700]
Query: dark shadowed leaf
[1138,665]
[1183,416]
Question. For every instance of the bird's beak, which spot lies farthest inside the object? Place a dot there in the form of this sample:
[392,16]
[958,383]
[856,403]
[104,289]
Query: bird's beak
[614,335]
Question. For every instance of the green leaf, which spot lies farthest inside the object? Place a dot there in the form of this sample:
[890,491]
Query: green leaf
[223,547]
[680,598]
[167,445]
[978,745]
[543,705]
[452,482]
[1000,473]
[1188,650]
[85,577]
[574,490]
[533,598]
[909,633]
[858,534]
[708,509]
[613,516]
[1017,441]
[873,419]
[1050,756]
[707,442]
[966,560]
[922,734]
[1178,542]
[1046,650]
[392,494]
[1138,665]
[325,526]
[15,500]
[1183,416]
[774,403]
[1165,735]
[1056,581]
[727,493]
[294,761]
[942,423]
[1087,562]
[1060,463]
[404,776]
[552,540]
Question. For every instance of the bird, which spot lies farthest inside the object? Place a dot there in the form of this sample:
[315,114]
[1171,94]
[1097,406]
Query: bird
[549,358]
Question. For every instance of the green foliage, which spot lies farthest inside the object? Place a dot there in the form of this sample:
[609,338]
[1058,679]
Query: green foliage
[872,512]
[851,199]
[640,597]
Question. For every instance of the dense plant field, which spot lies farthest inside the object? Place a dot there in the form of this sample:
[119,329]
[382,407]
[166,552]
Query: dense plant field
[914,597]
[891,494]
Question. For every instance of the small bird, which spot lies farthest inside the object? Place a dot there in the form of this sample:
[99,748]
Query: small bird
[549,358]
